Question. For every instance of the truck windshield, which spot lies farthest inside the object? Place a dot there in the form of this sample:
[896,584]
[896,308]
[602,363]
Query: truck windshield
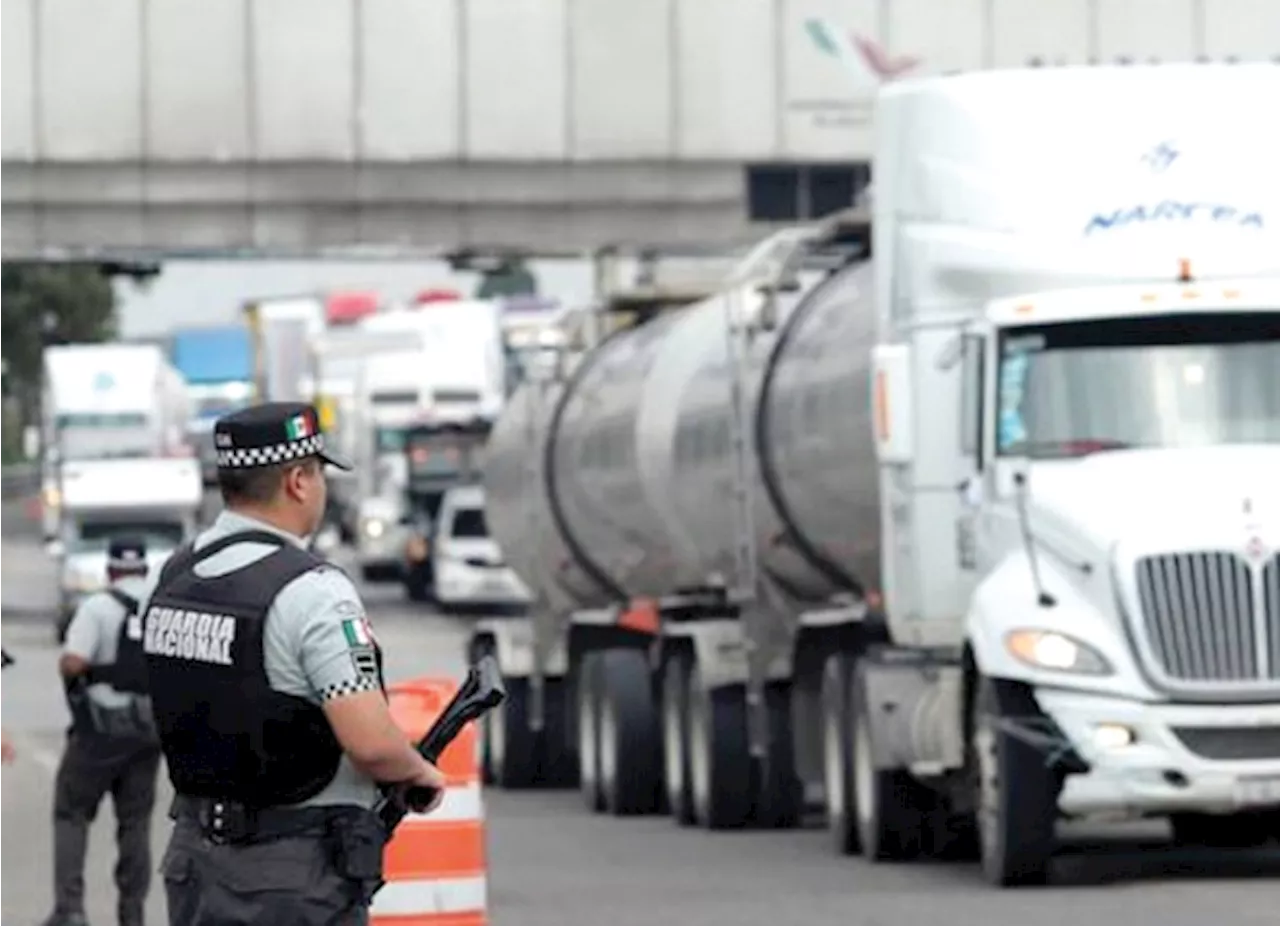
[1074,388]
[469,522]
[390,440]
[158,535]
[100,436]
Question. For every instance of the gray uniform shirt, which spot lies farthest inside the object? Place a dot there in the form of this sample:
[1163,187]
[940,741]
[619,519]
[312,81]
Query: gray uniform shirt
[316,642]
[94,634]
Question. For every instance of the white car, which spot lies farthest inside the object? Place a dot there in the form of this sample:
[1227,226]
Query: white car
[381,540]
[468,566]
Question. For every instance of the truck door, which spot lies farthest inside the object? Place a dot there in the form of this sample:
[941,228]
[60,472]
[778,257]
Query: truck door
[940,558]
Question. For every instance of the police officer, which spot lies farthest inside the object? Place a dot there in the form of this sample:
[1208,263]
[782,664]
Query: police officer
[112,745]
[266,680]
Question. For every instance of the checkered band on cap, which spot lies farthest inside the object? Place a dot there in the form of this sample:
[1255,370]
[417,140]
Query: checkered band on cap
[250,457]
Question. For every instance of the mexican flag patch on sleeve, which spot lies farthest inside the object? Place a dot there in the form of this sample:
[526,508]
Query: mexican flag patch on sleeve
[358,632]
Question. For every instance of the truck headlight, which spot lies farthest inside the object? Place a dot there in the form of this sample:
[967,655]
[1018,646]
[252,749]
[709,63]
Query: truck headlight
[374,528]
[1048,649]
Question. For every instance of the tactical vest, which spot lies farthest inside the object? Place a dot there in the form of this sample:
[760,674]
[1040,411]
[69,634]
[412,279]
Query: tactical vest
[128,673]
[224,731]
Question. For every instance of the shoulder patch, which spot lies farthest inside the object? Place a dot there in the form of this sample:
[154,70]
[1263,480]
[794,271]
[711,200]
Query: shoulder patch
[358,632]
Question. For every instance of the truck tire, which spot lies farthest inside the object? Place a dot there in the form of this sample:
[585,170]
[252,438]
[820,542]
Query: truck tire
[890,807]
[510,743]
[628,739]
[719,760]
[559,752]
[587,707]
[675,737]
[1017,791]
[780,803]
[837,753]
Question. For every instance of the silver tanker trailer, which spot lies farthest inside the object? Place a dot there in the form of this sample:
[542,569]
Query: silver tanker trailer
[986,530]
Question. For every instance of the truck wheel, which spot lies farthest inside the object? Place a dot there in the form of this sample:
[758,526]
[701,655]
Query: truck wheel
[1229,831]
[719,760]
[513,756]
[1017,792]
[780,803]
[628,733]
[890,806]
[587,705]
[559,757]
[836,753]
[675,737]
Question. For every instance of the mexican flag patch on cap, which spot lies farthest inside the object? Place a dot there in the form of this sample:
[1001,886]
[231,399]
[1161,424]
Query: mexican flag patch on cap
[358,632]
[299,426]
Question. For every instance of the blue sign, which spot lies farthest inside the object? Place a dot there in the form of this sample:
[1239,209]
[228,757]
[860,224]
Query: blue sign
[1169,211]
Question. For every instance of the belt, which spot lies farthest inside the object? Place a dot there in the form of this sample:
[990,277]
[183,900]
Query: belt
[225,821]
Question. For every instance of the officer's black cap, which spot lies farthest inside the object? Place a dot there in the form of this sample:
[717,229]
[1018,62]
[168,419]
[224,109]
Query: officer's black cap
[127,553]
[270,434]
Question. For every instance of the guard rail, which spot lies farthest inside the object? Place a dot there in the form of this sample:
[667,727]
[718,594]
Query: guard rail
[19,480]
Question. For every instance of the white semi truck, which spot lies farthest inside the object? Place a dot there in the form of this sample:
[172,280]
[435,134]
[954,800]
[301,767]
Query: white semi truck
[954,542]
[123,401]
[157,500]
[449,373]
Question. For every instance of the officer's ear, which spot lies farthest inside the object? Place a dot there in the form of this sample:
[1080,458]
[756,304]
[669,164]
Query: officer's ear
[299,481]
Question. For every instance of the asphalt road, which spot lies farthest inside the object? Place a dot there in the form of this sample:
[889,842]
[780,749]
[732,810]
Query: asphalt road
[553,864]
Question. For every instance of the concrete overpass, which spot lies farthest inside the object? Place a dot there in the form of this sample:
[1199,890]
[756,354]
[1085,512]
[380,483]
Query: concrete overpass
[300,126]
[285,127]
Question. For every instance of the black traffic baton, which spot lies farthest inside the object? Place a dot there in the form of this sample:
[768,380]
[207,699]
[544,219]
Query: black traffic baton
[479,693]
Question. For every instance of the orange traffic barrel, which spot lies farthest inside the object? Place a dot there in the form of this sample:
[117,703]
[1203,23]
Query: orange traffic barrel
[434,865]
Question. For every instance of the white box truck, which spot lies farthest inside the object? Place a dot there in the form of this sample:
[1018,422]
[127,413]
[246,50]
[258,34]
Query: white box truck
[955,540]
[99,401]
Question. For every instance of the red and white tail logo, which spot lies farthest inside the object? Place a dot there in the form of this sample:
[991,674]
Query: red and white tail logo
[883,66]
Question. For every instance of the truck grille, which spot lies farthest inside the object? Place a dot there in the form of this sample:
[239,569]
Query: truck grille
[1208,618]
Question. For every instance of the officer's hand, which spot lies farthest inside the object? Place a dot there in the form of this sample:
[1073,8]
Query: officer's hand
[426,789]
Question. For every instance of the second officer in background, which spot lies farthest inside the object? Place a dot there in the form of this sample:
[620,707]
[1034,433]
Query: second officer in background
[111,746]
[267,685]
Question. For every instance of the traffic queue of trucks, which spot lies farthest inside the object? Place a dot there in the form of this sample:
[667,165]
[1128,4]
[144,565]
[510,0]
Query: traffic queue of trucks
[434,368]
[126,437]
[953,518]
[114,457]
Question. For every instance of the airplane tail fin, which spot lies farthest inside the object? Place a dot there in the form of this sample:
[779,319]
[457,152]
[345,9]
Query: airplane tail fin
[866,63]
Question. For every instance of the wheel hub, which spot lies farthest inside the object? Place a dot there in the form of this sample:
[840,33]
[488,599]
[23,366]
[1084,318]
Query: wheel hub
[608,745]
[673,749]
[699,754]
[864,775]
[586,740]
[833,766]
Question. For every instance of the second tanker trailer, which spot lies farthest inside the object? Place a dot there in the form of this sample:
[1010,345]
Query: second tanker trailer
[899,538]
